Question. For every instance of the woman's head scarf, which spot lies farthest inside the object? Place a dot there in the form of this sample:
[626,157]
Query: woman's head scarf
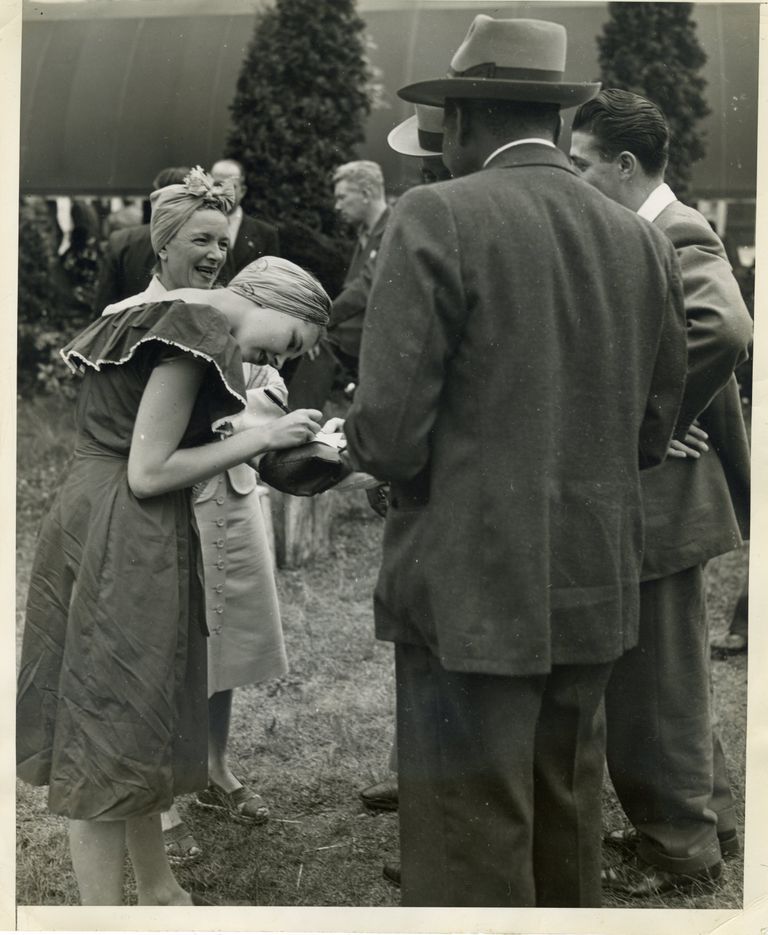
[174,205]
[272,282]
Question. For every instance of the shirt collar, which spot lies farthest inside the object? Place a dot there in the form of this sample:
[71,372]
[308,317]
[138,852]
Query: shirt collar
[530,139]
[153,293]
[656,202]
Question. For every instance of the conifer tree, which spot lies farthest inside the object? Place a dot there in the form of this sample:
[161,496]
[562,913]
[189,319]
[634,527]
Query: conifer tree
[652,49]
[300,108]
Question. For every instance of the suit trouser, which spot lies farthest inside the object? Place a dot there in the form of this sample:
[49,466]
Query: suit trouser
[500,782]
[664,756]
[312,381]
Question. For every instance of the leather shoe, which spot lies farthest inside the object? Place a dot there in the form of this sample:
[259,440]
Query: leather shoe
[381,797]
[731,644]
[628,838]
[641,879]
[391,874]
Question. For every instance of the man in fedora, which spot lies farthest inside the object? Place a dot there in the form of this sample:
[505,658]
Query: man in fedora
[658,707]
[523,355]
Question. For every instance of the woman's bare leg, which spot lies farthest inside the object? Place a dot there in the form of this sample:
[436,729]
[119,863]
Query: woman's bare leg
[98,854]
[155,882]
[219,713]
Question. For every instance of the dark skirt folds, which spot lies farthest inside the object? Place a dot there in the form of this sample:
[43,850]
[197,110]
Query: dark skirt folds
[112,711]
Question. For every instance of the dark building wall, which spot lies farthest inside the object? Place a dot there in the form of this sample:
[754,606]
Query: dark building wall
[108,98]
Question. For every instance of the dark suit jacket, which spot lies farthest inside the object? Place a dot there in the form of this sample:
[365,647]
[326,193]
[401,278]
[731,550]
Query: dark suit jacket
[696,509]
[126,266]
[348,312]
[254,239]
[524,340]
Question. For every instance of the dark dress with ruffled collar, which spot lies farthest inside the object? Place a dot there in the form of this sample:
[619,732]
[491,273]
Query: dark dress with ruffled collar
[112,701]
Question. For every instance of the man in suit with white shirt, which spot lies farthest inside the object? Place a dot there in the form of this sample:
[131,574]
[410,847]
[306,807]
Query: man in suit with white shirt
[249,238]
[666,763]
[129,261]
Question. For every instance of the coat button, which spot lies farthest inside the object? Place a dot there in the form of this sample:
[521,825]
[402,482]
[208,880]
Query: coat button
[218,588]
[219,543]
[219,609]
[220,522]
[220,500]
[220,564]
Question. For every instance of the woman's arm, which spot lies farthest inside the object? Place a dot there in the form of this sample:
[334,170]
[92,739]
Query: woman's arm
[157,465]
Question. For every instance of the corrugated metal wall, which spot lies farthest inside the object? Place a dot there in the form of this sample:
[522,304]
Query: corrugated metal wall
[107,99]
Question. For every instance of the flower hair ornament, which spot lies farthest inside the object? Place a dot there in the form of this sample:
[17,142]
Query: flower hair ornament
[174,205]
[212,193]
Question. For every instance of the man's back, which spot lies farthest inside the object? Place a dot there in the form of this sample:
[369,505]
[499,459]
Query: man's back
[532,317]
[126,267]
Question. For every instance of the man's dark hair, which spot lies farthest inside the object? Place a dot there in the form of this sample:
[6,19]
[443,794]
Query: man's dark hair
[508,119]
[621,120]
[173,175]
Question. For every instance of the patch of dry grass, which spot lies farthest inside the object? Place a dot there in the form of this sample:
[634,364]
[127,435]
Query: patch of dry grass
[311,740]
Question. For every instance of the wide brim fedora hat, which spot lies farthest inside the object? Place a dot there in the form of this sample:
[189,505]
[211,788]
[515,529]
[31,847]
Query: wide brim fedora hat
[506,59]
[419,135]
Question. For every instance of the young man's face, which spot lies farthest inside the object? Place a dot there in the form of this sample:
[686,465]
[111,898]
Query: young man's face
[601,173]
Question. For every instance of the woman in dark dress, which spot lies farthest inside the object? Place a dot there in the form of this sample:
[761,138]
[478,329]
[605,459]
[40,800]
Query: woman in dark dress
[111,711]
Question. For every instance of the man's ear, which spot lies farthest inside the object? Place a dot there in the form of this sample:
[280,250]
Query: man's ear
[558,129]
[463,122]
[627,165]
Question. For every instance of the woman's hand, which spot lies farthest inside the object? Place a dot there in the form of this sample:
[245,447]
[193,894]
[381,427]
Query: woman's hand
[296,428]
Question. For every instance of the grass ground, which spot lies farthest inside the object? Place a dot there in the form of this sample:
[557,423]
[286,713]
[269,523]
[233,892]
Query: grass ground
[310,740]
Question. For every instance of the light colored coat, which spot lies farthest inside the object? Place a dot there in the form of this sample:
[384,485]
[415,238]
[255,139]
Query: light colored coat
[697,509]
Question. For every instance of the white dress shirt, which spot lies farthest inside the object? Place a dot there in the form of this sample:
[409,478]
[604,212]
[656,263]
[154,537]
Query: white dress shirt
[530,139]
[656,202]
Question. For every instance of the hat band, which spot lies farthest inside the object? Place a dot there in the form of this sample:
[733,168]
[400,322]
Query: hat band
[492,70]
[430,140]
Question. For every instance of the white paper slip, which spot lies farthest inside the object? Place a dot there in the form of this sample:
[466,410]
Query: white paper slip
[333,440]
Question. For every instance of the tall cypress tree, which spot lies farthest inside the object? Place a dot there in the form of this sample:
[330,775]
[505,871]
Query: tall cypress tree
[300,108]
[652,50]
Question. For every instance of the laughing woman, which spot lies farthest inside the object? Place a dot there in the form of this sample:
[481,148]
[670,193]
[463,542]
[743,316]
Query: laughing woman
[111,710]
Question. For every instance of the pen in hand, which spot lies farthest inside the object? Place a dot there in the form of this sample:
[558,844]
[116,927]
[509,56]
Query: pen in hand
[276,400]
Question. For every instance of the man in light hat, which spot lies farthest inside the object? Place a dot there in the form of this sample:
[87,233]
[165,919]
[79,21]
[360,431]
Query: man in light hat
[419,136]
[523,355]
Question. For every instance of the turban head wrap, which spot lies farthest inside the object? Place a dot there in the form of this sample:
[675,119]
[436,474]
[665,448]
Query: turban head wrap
[272,282]
[174,205]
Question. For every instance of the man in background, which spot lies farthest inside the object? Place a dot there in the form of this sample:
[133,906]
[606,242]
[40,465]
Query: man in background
[419,136]
[359,199]
[128,260]
[249,238]
[661,750]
